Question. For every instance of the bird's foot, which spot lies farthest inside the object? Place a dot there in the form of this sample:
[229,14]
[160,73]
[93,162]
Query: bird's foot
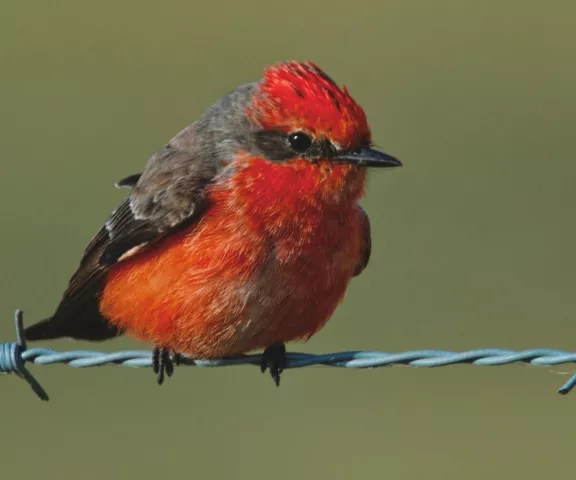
[274,360]
[163,362]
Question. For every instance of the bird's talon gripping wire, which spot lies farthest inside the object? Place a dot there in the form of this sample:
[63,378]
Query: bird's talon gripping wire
[163,361]
[274,360]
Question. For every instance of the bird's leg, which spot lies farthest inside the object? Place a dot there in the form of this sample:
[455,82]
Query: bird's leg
[274,359]
[163,361]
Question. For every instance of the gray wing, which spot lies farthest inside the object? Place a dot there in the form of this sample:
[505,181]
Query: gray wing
[169,194]
[367,243]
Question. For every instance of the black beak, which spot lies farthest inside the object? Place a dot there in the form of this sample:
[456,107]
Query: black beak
[367,157]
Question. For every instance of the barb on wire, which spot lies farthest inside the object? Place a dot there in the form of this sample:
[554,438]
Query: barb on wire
[12,358]
[14,355]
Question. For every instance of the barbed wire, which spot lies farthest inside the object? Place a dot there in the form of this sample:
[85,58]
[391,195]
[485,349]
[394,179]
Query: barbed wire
[14,355]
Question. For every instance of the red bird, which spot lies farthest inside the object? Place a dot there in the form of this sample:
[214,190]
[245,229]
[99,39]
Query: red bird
[242,233]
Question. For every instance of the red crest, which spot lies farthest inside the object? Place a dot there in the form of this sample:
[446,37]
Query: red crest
[296,96]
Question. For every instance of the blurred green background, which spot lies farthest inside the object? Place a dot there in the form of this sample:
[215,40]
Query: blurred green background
[473,238]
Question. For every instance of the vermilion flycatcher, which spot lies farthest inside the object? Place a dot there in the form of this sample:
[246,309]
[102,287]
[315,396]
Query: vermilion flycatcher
[241,233]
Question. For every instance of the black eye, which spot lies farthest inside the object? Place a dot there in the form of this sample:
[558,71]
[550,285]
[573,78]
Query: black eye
[299,141]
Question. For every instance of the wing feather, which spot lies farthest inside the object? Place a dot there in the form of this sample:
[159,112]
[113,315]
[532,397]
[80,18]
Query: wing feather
[168,195]
[367,242]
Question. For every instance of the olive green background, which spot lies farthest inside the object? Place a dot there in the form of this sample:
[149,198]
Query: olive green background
[473,240]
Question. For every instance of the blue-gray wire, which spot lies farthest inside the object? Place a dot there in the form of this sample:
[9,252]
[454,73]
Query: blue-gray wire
[14,355]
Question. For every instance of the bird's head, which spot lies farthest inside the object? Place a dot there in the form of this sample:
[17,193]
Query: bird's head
[295,126]
[298,112]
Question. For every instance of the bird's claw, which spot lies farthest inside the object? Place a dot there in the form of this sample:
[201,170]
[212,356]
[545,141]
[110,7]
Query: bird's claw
[163,362]
[274,360]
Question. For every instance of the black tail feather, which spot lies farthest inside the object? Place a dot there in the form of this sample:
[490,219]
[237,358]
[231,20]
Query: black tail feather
[43,330]
[90,326]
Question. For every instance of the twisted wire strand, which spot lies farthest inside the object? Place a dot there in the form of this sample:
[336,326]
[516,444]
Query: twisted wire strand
[14,355]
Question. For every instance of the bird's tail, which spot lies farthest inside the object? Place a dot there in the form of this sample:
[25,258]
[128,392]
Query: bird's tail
[87,326]
[43,330]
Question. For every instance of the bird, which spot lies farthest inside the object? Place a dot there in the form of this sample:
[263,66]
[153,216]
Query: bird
[241,234]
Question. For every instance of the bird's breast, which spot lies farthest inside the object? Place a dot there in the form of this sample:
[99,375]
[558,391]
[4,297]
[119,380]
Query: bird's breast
[307,212]
[255,270]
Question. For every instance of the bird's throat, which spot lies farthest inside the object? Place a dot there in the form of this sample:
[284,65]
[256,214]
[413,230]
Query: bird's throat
[297,198]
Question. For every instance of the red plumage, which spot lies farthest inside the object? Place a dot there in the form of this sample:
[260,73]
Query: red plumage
[295,95]
[268,263]
[242,233]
